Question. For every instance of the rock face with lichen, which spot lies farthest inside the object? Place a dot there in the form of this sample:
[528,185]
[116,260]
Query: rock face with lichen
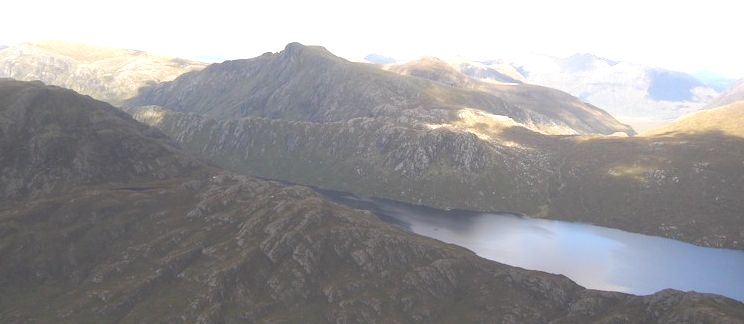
[154,236]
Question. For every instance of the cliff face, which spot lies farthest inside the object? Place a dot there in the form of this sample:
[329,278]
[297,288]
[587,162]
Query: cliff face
[195,244]
[682,186]
[108,74]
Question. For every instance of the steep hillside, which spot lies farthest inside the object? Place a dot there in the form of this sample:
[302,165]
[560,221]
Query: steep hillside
[310,84]
[212,247]
[49,149]
[107,74]
[732,95]
[685,186]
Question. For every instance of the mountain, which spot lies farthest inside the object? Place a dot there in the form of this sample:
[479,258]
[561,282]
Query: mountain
[638,95]
[684,186]
[186,242]
[733,94]
[310,84]
[379,59]
[107,74]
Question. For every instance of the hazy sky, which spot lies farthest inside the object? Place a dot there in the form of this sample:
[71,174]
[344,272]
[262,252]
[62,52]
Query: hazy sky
[681,35]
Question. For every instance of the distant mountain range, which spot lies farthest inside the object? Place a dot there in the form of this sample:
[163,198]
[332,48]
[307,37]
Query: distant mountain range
[639,95]
[733,94]
[108,74]
[130,229]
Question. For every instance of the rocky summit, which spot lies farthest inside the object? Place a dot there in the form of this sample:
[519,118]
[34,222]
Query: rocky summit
[173,240]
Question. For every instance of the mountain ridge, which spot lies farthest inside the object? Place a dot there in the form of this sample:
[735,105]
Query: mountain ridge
[305,83]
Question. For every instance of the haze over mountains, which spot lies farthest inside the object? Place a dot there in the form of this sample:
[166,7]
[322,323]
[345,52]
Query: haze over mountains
[642,96]
[732,95]
[129,249]
[107,74]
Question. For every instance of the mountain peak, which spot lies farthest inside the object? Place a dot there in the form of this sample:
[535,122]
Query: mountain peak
[295,50]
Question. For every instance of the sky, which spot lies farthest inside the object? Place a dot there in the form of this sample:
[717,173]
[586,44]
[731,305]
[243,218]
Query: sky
[687,36]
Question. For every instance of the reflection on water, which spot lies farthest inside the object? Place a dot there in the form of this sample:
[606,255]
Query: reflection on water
[595,257]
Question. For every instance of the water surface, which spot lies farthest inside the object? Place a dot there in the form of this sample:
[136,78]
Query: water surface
[593,256]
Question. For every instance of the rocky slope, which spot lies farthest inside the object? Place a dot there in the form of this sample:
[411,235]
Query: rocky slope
[732,95]
[682,186]
[310,84]
[209,247]
[107,74]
